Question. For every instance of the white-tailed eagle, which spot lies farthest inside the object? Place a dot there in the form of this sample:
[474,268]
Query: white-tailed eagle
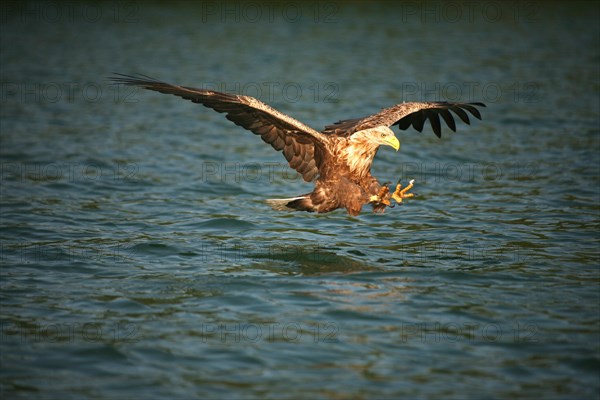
[338,158]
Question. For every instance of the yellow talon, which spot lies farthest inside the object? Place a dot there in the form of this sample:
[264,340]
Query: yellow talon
[400,193]
[382,197]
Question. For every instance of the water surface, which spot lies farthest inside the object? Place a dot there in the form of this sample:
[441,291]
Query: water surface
[140,260]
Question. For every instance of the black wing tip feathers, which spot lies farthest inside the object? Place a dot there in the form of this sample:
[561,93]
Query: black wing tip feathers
[417,118]
[135,79]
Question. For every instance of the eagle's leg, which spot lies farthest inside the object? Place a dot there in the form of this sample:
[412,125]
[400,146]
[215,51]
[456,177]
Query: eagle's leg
[400,193]
[381,200]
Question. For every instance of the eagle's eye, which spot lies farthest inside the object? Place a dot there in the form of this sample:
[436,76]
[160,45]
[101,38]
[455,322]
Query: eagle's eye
[383,134]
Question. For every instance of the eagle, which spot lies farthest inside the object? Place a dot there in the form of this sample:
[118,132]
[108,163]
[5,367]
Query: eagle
[337,159]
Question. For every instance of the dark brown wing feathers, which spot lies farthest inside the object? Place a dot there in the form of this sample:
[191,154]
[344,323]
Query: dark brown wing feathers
[298,142]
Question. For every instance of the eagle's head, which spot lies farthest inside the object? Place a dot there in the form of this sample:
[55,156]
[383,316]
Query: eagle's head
[380,135]
[362,147]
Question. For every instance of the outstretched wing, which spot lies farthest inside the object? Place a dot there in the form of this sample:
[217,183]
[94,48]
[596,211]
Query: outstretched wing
[301,145]
[406,114]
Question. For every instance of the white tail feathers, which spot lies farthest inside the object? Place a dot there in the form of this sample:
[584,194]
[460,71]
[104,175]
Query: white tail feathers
[282,204]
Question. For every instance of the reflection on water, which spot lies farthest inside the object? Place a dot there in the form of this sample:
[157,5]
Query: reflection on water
[139,258]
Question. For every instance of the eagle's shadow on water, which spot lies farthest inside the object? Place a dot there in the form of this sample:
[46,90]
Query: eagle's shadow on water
[300,259]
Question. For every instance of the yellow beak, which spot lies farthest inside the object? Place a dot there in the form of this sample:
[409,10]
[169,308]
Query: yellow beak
[393,141]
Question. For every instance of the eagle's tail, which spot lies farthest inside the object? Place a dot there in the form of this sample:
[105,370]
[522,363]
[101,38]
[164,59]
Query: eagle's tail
[300,203]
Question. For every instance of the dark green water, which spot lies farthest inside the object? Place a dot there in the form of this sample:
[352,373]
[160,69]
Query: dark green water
[139,259]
